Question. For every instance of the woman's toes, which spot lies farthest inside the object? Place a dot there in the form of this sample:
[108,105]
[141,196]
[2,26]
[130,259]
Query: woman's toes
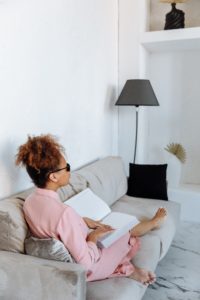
[143,276]
[152,277]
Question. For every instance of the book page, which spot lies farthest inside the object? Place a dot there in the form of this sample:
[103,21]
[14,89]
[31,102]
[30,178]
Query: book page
[118,220]
[122,222]
[87,204]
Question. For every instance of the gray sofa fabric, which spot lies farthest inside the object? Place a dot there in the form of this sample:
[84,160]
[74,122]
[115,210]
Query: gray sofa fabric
[115,289]
[146,208]
[106,178]
[13,228]
[27,277]
[48,248]
[77,183]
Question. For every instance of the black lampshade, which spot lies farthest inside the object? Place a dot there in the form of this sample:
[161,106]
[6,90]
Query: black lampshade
[137,92]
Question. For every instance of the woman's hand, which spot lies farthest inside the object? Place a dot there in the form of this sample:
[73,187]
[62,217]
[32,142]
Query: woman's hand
[97,233]
[96,224]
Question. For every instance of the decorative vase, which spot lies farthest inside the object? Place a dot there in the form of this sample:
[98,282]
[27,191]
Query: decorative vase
[173,170]
[175,18]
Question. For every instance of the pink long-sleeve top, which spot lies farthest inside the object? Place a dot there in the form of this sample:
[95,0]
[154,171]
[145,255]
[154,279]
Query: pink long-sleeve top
[47,216]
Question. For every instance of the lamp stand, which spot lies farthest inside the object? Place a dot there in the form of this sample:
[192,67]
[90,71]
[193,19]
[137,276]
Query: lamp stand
[137,92]
[136,132]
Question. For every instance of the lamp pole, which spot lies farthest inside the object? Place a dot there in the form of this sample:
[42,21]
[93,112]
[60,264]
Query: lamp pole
[136,132]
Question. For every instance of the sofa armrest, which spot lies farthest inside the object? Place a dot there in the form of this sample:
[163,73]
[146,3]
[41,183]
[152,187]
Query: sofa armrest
[27,277]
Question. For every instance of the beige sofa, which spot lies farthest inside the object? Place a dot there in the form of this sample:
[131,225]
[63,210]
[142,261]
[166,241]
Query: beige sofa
[26,277]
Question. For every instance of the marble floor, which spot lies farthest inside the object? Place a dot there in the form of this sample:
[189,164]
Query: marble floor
[178,274]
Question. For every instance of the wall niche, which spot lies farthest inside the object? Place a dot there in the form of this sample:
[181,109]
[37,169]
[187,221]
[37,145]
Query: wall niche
[158,11]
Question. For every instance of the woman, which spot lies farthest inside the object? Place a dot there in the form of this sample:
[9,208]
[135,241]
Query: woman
[47,216]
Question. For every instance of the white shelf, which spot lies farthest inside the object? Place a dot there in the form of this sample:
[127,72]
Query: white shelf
[188,196]
[172,40]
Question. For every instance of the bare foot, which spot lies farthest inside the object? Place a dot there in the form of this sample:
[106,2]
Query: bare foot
[145,226]
[143,276]
[159,217]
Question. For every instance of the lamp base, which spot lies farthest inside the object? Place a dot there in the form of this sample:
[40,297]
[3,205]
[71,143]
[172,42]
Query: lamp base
[175,19]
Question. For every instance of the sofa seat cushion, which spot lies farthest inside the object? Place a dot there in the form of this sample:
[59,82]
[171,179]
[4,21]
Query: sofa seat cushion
[106,178]
[120,288]
[148,255]
[13,228]
[143,209]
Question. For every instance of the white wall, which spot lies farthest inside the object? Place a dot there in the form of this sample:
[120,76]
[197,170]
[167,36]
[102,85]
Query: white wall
[177,118]
[133,20]
[128,69]
[58,74]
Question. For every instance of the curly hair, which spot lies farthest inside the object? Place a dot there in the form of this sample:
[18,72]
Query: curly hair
[40,155]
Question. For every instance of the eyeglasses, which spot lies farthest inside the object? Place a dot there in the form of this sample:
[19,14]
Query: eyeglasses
[67,168]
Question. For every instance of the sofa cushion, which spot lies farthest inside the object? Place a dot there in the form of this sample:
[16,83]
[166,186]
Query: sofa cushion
[146,209]
[106,178]
[77,184]
[148,255]
[48,248]
[120,288]
[13,228]
[24,194]
[148,181]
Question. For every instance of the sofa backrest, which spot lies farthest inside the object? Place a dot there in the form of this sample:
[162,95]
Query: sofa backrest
[76,184]
[106,178]
[13,227]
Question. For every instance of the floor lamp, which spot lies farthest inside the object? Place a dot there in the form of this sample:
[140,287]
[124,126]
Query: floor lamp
[137,92]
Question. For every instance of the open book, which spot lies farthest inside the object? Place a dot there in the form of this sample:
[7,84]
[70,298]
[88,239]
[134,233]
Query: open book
[87,204]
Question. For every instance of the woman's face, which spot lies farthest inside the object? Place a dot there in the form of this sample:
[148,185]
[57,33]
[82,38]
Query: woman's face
[63,175]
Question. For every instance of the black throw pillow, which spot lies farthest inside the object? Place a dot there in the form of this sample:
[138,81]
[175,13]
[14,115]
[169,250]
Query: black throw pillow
[148,181]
